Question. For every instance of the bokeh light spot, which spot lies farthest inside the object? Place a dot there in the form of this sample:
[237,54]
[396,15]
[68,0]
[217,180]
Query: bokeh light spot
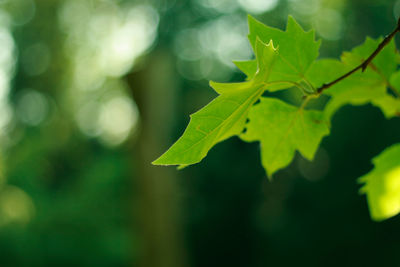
[117,118]
[221,6]
[318,168]
[15,206]
[304,7]
[32,107]
[258,6]
[87,118]
[35,59]
[22,11]
[329,24]
[129,40]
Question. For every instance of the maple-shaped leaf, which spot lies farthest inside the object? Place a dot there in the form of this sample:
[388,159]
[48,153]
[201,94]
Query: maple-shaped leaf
[358,89]
[370,86]
[271,70]
[382,184]
[283,129]
[225,116]
[297,49]
[384,63]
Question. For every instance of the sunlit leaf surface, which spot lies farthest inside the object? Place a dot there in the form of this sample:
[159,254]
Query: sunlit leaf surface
[282,130]
[382,184]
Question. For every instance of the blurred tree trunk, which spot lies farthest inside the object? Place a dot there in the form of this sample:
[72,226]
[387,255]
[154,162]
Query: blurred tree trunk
[160,227]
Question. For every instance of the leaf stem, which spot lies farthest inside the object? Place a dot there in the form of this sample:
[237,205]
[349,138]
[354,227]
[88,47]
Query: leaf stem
[364,64]
[305,102]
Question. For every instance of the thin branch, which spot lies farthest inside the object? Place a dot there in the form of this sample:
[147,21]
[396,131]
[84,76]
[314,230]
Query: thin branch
[364,64]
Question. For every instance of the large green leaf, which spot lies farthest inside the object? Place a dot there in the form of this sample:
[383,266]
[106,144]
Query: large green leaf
[282,129]
[225,116]
[382,184]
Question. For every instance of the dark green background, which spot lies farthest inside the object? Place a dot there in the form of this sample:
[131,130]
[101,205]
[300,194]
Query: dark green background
[71,198]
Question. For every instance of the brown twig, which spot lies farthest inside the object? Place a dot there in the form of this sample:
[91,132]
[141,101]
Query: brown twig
[364,64]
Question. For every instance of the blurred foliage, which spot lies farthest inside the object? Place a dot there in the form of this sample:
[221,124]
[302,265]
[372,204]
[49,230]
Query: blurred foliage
[71,118]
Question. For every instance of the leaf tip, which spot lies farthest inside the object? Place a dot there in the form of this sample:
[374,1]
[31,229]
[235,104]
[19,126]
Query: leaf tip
[292,24]
[253,23]
[163,160]
[218,87]
[158,162]
[250,18]
[291,18]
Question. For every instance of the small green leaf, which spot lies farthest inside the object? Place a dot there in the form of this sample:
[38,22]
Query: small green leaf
[384,63]
[382,184]
[282,129]
[297,49]
[360,88]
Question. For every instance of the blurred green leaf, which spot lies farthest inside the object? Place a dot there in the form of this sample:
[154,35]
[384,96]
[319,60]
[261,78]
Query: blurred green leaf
[382,184]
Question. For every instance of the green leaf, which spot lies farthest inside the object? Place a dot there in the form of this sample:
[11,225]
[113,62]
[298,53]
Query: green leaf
[247,67]
[360,88]
[297,49]
[225,116]
[395,82]
[384,63]
[282,129]
[382,184]
[325,70]
[389,105]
